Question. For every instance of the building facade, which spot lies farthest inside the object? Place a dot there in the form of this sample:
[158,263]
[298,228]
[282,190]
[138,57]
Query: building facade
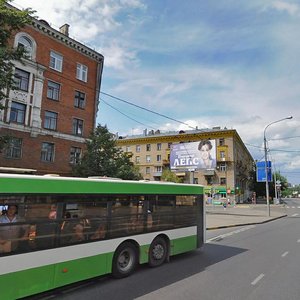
[53,110]
[228,177]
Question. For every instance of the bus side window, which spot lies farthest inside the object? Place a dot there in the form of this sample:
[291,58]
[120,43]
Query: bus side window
[45,234]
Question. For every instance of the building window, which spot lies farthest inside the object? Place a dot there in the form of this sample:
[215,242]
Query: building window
[53,90]
[26,44]
[56,61]
[169,145]
[209,180]
[148,147]
[223,167]
[147,170]
[137,159]
[14,149]
[79,100]
[75,155]
[81,72]
[77,127]
[138,148]
[158,169]
[50,120]
[148,158]
[222,180]
[222,154]
[128,149]
[222,142]
[47,153]
[158,146]
[21,79]
[158,157]
[17,113]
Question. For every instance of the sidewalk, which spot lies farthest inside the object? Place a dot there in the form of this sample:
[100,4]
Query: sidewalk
[241,214]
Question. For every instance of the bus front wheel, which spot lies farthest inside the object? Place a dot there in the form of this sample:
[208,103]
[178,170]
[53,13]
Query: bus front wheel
[158,252]
[124,261]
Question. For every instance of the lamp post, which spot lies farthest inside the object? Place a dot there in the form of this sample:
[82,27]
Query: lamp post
[266,160]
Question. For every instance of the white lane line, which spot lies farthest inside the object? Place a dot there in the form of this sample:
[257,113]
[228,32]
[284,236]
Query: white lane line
[257,279]
[298,206]
[295,215]
[285,254]
[220,237]
[298,241]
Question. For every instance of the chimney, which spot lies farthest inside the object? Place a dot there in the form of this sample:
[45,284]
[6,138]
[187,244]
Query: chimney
[64,29]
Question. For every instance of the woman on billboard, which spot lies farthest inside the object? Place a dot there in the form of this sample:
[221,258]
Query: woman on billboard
[205,147]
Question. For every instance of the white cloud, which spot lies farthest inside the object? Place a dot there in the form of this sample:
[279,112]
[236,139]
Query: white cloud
[291,8]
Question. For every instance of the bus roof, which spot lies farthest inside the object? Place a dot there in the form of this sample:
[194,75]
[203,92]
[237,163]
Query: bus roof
[35,184]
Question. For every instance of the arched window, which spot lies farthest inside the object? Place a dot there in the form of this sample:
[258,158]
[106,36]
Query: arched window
[25,41]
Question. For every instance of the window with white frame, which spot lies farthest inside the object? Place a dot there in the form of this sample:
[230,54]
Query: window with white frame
[158,169]
[14,148]
[47,153]
[53,90]
[75,155]
[77,127]
[128,149]
[138,148]
[25,43]
[148,158]
[56,61]
[21,79]
[158,146]
[148,170]
[137,159]
[50,121]
[79,100]
[148,147]
[223,167]
[17,112]
[81,72]
[158,157]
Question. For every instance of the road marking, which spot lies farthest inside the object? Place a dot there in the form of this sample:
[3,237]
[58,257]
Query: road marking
[298,241]
[295,215]
[257,279]
[298,206]
[284,254]
[220,237]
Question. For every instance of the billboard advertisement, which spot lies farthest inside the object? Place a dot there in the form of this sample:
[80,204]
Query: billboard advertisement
[193,156]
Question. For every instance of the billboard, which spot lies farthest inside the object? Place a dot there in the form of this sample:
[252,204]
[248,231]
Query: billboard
[261,171]
[193,156]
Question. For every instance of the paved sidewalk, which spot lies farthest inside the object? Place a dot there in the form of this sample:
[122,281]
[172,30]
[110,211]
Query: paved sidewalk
[241,214]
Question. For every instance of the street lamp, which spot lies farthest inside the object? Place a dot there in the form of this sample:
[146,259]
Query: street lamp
[266,160]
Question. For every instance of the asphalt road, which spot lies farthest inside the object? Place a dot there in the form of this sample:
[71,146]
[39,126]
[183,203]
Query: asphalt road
[248,262]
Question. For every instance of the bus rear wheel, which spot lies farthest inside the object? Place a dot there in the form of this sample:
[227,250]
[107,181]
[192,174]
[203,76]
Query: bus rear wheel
[158,252]
[124,261]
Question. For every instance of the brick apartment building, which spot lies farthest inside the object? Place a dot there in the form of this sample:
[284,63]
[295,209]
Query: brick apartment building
[54,109]
[228,178]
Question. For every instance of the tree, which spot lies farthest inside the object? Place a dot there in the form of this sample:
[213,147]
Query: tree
[11,20]
[170,176]
[104,158]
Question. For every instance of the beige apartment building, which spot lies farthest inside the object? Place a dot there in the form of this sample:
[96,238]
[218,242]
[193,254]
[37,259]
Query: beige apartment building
[229,176]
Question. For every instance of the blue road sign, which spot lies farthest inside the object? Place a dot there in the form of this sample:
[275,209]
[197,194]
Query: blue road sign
[261,171]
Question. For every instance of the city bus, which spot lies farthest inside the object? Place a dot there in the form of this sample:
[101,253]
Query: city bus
[69,229]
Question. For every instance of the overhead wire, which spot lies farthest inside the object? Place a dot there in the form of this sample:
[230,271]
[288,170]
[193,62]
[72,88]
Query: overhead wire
[149,110]
[111,106]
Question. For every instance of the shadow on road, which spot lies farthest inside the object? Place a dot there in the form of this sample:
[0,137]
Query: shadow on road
[145,280]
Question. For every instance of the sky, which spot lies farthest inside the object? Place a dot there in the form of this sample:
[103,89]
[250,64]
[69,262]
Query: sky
[227,63]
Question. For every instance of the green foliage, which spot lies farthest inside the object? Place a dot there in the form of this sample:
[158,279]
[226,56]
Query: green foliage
[11,20]
[104,158]
[170,176]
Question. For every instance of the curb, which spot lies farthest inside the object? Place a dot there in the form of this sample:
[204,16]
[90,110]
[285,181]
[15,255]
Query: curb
[245,224]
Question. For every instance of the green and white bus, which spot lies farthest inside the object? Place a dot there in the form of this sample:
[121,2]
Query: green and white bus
[71,229]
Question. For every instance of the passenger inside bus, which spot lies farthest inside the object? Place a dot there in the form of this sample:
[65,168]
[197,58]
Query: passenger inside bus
[12,234]
[99,233]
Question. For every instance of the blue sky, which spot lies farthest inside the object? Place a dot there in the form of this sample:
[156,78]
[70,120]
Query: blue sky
[212,63]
